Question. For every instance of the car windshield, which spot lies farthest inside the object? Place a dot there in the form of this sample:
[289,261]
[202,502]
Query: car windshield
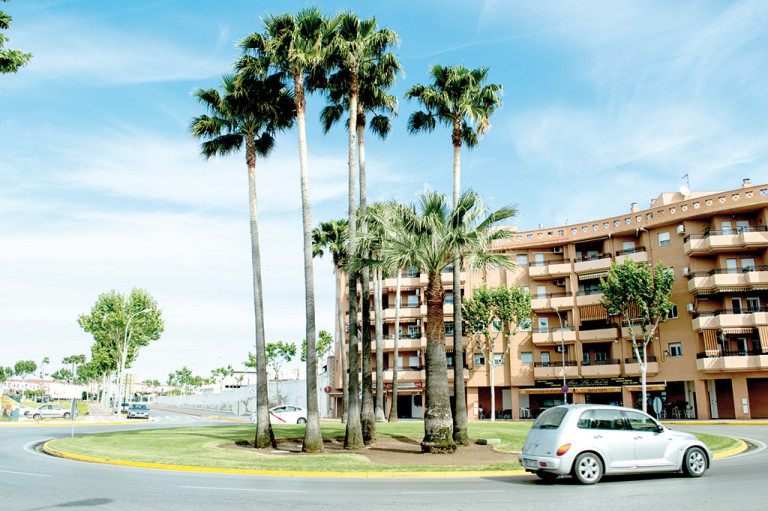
[139,407]
[550,419]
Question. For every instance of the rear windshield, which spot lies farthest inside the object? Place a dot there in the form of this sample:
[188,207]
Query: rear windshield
[550,419]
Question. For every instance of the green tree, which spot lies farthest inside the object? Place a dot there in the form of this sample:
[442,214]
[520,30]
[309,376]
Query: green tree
[74,360]
[278,354]
[5,373]
[24,368]
[429,237]
[458,99]
[333,236]
[297,45]
[248,113]
[10,60]
[639,296]
[493,313]
[323,345]
[63,375]
[43,363]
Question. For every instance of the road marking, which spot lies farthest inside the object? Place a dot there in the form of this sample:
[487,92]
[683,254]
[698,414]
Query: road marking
[242,489]
[23,473]
[444,492]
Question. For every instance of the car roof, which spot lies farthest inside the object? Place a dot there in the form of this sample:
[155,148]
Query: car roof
[578,407]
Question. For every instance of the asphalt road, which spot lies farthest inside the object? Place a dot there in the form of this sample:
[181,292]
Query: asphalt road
[33,481]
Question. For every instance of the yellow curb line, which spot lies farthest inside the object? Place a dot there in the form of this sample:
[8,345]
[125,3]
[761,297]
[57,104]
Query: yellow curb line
[731,452]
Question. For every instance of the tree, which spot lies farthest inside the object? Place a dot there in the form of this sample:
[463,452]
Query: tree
[639,296]
[63,375]
[5,373]
[248,113]
[43,363]
[24,368]
[493,313]
[333,236]
[297,45]
[74,360]
[323,346]
[10,60]
[278,353]
[457,99]
[429,237]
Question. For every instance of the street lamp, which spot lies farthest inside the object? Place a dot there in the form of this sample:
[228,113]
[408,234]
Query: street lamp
[562,355]
[123,356]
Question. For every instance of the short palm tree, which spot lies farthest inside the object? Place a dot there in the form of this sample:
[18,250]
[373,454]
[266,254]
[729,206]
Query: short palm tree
[297,45]
[457,99]
[248,112]
[430,236]
[332,236]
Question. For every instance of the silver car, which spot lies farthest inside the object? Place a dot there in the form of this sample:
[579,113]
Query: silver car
[138,411]
[588,441]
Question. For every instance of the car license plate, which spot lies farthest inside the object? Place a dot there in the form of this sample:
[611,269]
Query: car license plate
[530,463]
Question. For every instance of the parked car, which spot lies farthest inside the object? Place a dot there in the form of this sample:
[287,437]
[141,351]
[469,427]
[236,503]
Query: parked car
[285,414]
[49,410]
[588,441]
[124,407]
[138,411]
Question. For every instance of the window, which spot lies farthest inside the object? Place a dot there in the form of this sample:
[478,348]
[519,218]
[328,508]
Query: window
[753,304]
[498,359]
[526,358]
[664,239]
[449,328]
[496,326]
[479,359]
[413,271]
[522,259]
[673,312]
[449,298]
[544,359]
[449,359]
[675,349]
[414,331]
[748,264]
[607,419]
[541,292]
[525,325]
[413,301]
[543,325]
[448,268]
[641,422]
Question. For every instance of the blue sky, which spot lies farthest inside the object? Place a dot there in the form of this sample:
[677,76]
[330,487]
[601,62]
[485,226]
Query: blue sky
[605,103]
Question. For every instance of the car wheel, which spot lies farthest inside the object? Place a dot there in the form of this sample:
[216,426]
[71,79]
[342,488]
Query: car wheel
[546,476]
[694,462]
[588,468]
[301,420]
[37,416]
[66,415]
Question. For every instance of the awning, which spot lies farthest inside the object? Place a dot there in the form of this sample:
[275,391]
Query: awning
[593,312]
[763,331]
[553,390]
[737,330]
[649,386]
[591,276]
[596,390]
[710,342]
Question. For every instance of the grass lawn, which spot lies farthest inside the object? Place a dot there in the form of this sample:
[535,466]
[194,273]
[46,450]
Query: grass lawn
[206,447]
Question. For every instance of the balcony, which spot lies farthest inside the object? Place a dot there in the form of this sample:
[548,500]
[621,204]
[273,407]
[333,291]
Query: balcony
[722,280]
[589,297]
[732,361]
[408,281]
[551,336]
[404,343]
[632,366]
[388,314]
[412,373]
[600,262]
[598,368]
[732,240]
[552,370]
[561,300]
[637,254]
[600,334]
[625,333]
[730,318]
[550,269]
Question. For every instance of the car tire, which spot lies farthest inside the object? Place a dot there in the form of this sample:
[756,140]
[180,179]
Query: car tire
[546,476]
[37,416]
[66,415]
[588,468]
[301,420]
[694,462]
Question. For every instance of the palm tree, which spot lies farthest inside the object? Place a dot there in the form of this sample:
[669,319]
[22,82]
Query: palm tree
[297,45]
[458,99]
[250,112]
[332,236]
[43,363]
[430,237]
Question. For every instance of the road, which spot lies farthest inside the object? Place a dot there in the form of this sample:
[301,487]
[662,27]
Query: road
[33,481]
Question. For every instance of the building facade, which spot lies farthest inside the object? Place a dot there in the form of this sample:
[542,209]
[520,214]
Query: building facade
[708,360]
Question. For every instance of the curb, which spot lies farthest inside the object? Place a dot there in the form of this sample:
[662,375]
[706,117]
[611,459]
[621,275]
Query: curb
[40,424]
[731,452]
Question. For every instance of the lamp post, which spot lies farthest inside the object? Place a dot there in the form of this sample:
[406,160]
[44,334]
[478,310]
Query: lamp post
[123,356]
[562,354]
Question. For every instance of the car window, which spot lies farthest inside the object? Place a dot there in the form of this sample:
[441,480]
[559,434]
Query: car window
[607,419]
[585,420]
[641,422]
[550,419]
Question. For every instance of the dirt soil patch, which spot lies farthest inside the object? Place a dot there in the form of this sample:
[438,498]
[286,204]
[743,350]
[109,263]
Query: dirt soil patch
[395,451]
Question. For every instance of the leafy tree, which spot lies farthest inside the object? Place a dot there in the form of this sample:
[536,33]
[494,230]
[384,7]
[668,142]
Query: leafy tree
[458,99]
[63,375]
[493,313]
[429,237]
[5,373]
[10,60]
[639,296]
[249,112]
[74,360]
[322,346]
[24,368]
[43,363]
[278,353]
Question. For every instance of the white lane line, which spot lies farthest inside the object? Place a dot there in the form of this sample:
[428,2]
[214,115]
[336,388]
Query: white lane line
[242,489]
[23,473]
[449,492]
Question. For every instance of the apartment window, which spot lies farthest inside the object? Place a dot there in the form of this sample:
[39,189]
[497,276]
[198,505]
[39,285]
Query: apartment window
[748,263]
[414,331]
[448,268]
[449,359]
[498,359]
[496,326]
[479,359]
[522,259]
[449,328]
[753,304]
[664,239]
[543,325]
[449,298]
[413,301]
[541,292]
[673,312]
[526,358]
[525,325]
[675,349]
[413,272]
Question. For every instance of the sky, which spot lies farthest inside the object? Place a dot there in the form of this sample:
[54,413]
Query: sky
[101,186]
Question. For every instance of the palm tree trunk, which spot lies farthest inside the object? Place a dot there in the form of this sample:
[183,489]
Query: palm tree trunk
[353,438]
[341,337]
[379,329]
[313,439]
[460,434]
[264,436]
[438,424]
[393,405]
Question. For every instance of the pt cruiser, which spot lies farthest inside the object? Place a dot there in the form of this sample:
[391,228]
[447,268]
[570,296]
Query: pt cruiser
[588,441]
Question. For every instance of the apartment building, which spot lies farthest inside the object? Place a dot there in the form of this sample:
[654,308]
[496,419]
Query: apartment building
[708,360]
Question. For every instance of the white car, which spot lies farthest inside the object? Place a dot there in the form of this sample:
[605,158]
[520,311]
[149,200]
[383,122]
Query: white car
[588,441]
[48,410]
[285,414]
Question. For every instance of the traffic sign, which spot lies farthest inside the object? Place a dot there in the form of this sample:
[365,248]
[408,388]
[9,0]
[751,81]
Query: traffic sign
[564,388]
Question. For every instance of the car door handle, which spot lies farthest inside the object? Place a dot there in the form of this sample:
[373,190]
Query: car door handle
[598,436]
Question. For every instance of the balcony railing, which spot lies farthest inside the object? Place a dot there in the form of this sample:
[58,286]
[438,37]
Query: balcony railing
[586,292]
[600,362]
[726,271]
[633,360]
[554,329]
[556,364]
[549,261]
[592,258]
[628,251]
[719,312]
[732,353]
[727,232]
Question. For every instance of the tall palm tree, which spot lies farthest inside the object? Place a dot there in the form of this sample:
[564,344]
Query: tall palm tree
[297,45]
[248,113]
[430,236]
[332,236]
[458,99]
